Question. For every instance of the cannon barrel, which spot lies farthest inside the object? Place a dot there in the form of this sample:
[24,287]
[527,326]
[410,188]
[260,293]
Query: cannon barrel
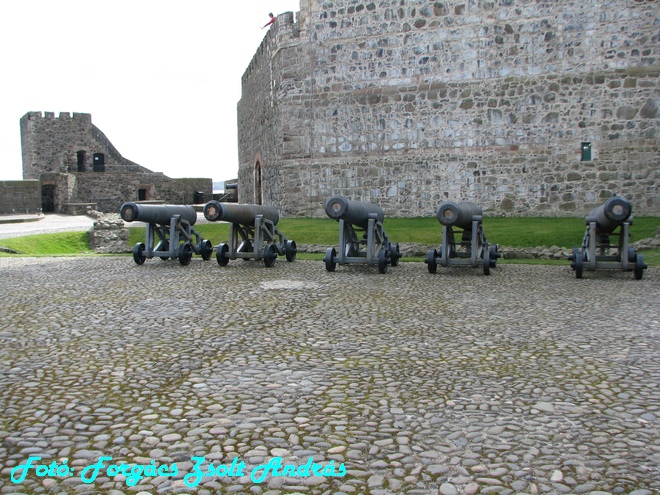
[457,214]
[610,214]
[214,211]
[158,214]
[354,212]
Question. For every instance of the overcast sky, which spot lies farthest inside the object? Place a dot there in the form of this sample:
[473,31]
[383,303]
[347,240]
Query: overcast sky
[160,78]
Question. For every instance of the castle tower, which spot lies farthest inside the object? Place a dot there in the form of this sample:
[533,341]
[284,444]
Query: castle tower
[524,107]
[79,167]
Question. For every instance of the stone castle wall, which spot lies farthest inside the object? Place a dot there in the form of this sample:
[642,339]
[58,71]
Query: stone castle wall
[410,103]
[52,147]
[51,144]
[20,196]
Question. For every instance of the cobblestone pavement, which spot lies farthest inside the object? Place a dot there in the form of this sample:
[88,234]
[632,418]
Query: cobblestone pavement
[527,381]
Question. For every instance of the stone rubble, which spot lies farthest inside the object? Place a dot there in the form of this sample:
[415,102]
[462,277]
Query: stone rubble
[109,234]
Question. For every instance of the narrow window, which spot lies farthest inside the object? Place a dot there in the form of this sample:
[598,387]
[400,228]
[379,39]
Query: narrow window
[586,152]
[82,156]
[258,193]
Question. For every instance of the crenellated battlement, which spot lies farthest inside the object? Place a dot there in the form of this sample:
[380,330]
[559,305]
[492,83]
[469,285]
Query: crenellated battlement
[63,116]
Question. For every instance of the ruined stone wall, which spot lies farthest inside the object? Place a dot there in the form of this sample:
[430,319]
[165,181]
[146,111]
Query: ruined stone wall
[51,144]
[408,103]
[51,147]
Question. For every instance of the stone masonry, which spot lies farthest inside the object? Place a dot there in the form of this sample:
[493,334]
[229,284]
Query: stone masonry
[20,196]
[62,152]
[527,108]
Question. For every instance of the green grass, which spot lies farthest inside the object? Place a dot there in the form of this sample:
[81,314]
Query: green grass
[512,232]
[62,243]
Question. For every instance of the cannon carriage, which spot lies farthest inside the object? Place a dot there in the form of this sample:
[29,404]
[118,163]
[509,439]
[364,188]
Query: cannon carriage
[606,241]
[472,248]
[169,232]
[253,233]
[367,218]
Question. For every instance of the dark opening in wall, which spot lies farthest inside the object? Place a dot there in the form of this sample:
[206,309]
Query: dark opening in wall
[99,162]
[82,156]
[143,195]
[258,195]
[586,152]
[48,198]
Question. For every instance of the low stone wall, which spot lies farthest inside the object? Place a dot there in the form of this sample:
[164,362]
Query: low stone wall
[79,208]
[20,197]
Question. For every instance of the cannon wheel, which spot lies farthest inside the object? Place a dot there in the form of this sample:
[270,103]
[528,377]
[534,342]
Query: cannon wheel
[330,255]
[395,255]
[221,254]
[165,246]
[640,266]
[431,262]
[290,250]
[270,255]
[206,249]
[578,265]
[632,255]
[185,253]
[573,254]
[138,253]
[494,255]
[383,260]
[486,261]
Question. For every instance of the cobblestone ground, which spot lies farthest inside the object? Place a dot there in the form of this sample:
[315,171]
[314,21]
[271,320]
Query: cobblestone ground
[527,381]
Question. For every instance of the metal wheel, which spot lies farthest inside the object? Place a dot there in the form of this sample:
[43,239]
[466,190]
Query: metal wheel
[395,255]
[270,255]
[221,254]
[383,260]
[578,265]
[573,254]
[640,266]
[631,255]
[185,253]
[164,246]
[431,262]
[330,255]
[486,261]
[206,249]
[138,253]
[494,255]
[290,250]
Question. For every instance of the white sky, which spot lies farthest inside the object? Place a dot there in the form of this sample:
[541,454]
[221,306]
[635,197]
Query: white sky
[160,78]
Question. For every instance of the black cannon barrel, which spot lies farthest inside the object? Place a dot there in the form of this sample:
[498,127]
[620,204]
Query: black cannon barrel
[158,214]
[354,212]
[611,214]
[458,214]
[215,211]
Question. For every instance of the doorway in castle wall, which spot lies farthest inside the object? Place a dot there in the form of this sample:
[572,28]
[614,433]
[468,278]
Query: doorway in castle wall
[81,158]
[258,193]
[48,198]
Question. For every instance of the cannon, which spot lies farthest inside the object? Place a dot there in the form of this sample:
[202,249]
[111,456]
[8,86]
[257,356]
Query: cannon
[354,216]
[170,232]
[473,249]
[252,233]
[609,221]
